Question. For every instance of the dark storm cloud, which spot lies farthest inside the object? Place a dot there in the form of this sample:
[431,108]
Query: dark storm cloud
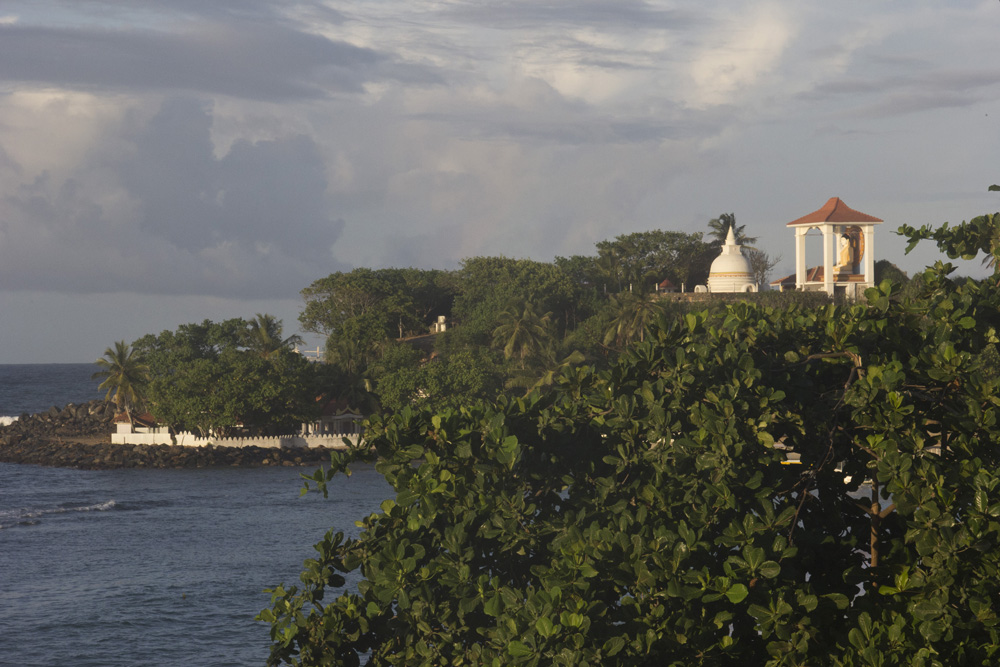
[262,192]
[603,13]
[246,59]
[224,10]
[879,97]
[253,223]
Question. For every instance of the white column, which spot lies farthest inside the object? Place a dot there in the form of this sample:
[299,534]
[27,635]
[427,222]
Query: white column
[828,259]
[800,256]
[869,258]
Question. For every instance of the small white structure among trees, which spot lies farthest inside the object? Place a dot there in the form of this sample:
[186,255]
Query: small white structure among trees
[731,271]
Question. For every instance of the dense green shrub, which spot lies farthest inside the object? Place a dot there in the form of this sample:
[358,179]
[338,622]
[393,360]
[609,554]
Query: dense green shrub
[646,514]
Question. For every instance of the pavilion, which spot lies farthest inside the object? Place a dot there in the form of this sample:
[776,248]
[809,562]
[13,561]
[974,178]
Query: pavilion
[848,265]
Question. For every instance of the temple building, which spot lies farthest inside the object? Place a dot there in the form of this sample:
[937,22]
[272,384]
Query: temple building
[848,260]
[730,271]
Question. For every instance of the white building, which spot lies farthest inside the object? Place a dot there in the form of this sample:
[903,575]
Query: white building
[730,271]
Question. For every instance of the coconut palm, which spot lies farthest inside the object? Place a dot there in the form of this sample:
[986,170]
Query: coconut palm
[124,376]
[263,336]
[633,316]
[719,229]
[609,268]
[523,333]
[551,371]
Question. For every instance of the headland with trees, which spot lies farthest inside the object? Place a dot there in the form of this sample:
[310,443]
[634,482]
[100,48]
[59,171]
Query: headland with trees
[642,511]
[511,324]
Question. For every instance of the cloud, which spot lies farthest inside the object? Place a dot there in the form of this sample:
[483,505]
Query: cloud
[607,14]
[248,61]
[742,51]
[254,222]
[898,95]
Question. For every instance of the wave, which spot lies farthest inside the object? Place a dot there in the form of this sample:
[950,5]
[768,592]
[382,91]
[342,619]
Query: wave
[6,421]
[27,516]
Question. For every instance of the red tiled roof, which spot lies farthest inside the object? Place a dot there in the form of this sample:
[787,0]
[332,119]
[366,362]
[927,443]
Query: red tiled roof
[813,275]
[666,284]
[834,211]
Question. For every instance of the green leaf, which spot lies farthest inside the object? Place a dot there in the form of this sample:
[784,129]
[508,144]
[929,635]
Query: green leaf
[926,609]
[769,569]
[545,626]
[613,646]
[737,593]
[518,649]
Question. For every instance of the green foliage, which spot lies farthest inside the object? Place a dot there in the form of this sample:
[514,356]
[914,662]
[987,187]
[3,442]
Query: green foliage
[403,379]
[488,284]
[966,240]
[124,375]
[524,333]
[642,259]
[718,229]
[633,316]
[204,379]
[645,514]
[366,306]
[886,270]
[263,336]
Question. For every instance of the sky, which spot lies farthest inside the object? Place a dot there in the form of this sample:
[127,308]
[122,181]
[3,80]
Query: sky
[171,161]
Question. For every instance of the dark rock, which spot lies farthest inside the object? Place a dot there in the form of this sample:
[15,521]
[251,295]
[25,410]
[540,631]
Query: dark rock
[49,439]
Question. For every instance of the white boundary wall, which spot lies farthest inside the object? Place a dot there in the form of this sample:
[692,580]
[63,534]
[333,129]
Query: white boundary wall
[187,439]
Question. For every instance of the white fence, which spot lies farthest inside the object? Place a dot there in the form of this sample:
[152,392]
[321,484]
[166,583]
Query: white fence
[187,439]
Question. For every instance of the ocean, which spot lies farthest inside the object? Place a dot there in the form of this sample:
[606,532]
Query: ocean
[33,388]
[149,567]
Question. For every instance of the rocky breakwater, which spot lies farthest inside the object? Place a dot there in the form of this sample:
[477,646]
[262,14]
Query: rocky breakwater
[79,436]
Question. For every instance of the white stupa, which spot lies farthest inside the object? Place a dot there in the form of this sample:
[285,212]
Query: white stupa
[730,271]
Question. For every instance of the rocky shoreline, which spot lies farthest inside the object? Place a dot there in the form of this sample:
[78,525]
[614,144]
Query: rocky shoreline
[79,436]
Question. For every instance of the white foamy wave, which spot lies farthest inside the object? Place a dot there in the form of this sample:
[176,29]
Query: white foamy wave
[6,421]
[26,516]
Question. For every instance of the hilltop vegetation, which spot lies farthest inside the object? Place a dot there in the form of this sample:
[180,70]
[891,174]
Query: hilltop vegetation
[642,513]
[512,323]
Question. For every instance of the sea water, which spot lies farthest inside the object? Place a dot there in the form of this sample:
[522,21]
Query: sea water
[31,388]
[155,567]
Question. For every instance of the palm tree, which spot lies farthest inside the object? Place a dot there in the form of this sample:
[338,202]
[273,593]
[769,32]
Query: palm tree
[348,354]
[124,375]
[634,315]
[549,375]
[263,336]
[609,268]
[523,332]
[719,229]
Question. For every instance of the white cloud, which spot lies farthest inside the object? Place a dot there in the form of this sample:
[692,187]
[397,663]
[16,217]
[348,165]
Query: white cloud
[740,52]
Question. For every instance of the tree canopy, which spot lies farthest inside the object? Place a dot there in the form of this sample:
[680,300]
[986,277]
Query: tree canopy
[211,378]
[642,259]
[366,306]
[647,514]
[487,285]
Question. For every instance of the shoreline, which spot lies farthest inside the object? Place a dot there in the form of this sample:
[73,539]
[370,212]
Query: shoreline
[66,453]
[79,436]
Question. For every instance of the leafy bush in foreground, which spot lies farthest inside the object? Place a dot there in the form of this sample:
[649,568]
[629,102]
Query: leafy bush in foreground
[645,515]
